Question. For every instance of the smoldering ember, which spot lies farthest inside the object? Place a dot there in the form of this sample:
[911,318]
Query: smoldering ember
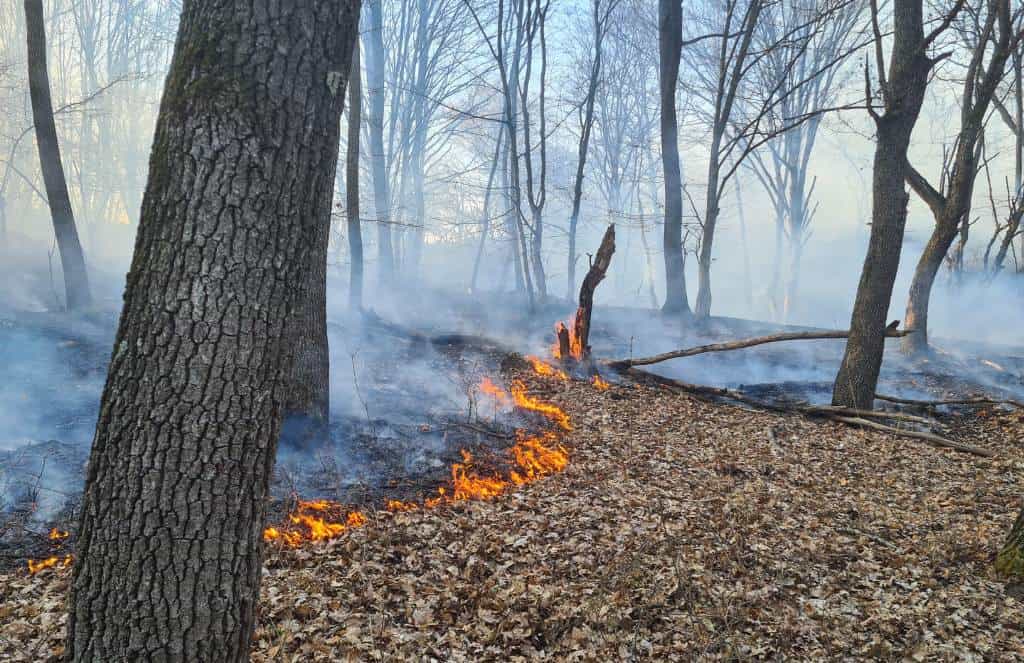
[461,330]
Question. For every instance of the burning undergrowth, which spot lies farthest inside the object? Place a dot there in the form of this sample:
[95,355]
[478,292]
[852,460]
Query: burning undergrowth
[417,423]
[504,436]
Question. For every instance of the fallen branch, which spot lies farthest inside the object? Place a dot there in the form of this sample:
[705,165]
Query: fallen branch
[848,416]
[890,332]
[954,401]
[931,438]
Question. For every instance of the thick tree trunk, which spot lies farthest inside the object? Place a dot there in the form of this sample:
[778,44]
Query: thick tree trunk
[72,259]
[375,121]
[1010,560]
[240,179]
[670,40]
[355,231]
[858,374]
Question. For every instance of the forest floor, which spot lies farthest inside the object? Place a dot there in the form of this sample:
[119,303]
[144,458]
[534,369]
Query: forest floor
[680,530]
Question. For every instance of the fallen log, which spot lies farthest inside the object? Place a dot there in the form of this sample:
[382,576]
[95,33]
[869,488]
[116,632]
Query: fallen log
[954,401]
[847,416]
[890,332]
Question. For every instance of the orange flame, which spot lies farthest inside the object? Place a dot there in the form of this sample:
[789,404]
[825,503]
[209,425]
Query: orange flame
[575,345]
[545,369]
[315,527]
[600,383]
[57,535]
[533,457]
[527,402]
[37,566]
[488,387]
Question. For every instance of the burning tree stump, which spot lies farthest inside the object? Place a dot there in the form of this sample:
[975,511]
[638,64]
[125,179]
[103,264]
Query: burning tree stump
[575,343]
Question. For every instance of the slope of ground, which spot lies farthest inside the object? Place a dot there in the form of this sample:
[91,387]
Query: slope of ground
[681,530]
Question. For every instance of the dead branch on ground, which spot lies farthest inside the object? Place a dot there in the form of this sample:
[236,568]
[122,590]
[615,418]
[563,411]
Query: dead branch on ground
[847,416]
[890,332]
[979,401]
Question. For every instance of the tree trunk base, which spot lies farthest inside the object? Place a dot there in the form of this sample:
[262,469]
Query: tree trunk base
[1010,560]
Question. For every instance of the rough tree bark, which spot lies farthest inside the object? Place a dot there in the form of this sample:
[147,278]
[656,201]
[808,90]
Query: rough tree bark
[1010,560]
[241,176]
[72,259]
[670,44]
[903,95]
[355,232]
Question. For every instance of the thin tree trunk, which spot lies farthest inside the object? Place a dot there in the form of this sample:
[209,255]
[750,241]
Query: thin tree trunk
[670,40]
[355,232]
[857,378]
[702,308]
[241,178]
[375,121]
[581,158]
[72,259]
[486,222]
[748,283]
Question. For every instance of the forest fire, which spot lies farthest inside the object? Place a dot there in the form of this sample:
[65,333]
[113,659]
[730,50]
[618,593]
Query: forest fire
[600,383]
[57,535]
[541,367]
[532,457]
[317,520]
[35,567]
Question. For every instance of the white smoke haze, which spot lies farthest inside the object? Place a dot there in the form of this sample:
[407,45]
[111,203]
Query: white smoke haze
[45,396]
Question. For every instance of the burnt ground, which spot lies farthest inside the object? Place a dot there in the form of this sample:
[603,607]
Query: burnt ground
[681,529]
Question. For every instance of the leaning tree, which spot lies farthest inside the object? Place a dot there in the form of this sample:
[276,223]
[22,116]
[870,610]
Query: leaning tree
[996,33]
[240,185]
[76,281]
[902,89]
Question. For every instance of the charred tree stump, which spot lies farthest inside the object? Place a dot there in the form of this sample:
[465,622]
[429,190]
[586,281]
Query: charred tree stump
[578,340]
[564,343]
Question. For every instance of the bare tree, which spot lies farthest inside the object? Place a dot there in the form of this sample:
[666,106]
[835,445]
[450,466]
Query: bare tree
[375,60]
[1013,116]
[782,166]
[600,20]
[902,89]
[355,233]
[240,186]
[76,279]
[996,34]
[670,42]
